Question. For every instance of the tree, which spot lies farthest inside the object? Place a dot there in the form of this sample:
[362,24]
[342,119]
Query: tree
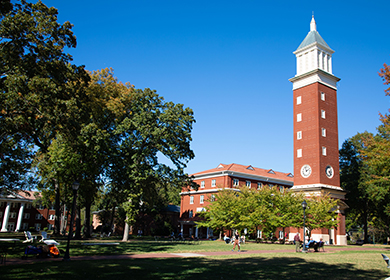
[39,88]
[353,175]
[320,212]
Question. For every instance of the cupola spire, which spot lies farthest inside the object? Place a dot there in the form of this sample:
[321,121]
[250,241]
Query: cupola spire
[313,25]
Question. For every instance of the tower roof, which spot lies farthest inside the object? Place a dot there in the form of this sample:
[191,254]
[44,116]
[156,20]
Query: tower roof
[313,37]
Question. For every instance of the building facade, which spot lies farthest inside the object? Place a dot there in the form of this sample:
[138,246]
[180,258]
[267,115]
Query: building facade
[224,176]
[17,213]
[316,153]
[316,148]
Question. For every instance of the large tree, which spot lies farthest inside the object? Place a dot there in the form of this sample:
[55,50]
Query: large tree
[40,89]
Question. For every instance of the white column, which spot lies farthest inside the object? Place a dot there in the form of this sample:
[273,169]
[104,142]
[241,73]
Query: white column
[5,218]
[20,217]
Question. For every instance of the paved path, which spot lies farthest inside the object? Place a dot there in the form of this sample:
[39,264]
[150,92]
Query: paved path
[330,249]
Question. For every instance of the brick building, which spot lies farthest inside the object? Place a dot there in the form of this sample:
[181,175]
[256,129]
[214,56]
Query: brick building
[17,212]
[316,150]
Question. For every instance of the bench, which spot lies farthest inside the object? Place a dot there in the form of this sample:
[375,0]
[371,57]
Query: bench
[316,246]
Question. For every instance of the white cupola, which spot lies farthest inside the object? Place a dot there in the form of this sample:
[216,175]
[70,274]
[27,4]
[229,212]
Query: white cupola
[313,53]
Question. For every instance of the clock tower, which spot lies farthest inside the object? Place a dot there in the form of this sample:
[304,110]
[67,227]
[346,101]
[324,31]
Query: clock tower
[316,153]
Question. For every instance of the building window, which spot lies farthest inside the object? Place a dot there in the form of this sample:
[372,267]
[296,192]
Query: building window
[299,117]
[191,200]
[26,216]
[190,213]
[12,215]
[212,198]
[24,226]
[11,227]
[202,199]
[323,114]
[299,135]
[40,207]
[37,227]
[323,132]
[281,189]
[28,206]
[324,151]
[299,153]
[248,184]
[299,100]
[322,96]
[38,217]
[259,185]
[235,182]
[51,217]
[202,184]
[213,183]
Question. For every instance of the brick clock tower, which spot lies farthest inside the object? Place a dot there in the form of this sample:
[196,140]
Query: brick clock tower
[316,150]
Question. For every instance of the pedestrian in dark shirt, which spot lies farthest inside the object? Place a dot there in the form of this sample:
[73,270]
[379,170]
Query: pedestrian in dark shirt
[236,241]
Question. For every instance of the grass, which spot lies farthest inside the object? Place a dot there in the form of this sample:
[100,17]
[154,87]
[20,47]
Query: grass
[275,265]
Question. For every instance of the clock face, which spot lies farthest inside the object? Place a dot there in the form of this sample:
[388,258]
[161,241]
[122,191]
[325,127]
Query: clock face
[305,171]
[329,171]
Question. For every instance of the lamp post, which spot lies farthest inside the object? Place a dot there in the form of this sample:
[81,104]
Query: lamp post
[75,187]
[304,205]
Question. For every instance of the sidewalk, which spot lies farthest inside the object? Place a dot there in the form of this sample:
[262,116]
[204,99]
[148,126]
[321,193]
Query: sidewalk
[328,249]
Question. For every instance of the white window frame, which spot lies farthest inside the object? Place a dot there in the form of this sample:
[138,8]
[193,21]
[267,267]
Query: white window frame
[259,185]
[236,182]
[299,153]
[38,216]
[323,132]
[202,184]
[191,199]
[213,183]
[324,151]
[12,215]
[323,114]
[26,216]
[299,117]
[322,96]
[24,226]
[248,184]
[201,201]
[299,135]
[299,100]
[52,217]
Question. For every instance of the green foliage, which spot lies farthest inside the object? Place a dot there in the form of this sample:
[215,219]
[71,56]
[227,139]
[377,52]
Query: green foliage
[268,209]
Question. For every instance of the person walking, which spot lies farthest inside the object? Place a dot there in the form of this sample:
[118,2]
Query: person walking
[236,241]
[297,241]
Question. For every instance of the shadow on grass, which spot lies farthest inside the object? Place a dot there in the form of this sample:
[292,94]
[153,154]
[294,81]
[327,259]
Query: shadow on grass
[190,269]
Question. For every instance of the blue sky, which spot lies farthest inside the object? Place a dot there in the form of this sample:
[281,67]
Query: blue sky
[230,62]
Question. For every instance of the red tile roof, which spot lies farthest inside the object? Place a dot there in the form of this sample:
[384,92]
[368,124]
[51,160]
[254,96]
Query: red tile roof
[250,170]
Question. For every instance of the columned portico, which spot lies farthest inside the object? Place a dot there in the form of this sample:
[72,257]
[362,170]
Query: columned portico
[6,217]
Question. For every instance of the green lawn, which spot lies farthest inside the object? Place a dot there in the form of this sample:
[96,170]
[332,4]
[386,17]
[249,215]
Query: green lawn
[291,265]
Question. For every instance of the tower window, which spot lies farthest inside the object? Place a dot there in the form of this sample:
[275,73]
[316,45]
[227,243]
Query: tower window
[323,132]
[299,117]
[322,96]
[324,151]
[299,153]
[299,100]
[323,114]
[299,135]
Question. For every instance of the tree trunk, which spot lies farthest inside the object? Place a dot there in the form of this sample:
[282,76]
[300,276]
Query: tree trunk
[57,221]
[112,218]
[77,234]
[126,232]
[87,219]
